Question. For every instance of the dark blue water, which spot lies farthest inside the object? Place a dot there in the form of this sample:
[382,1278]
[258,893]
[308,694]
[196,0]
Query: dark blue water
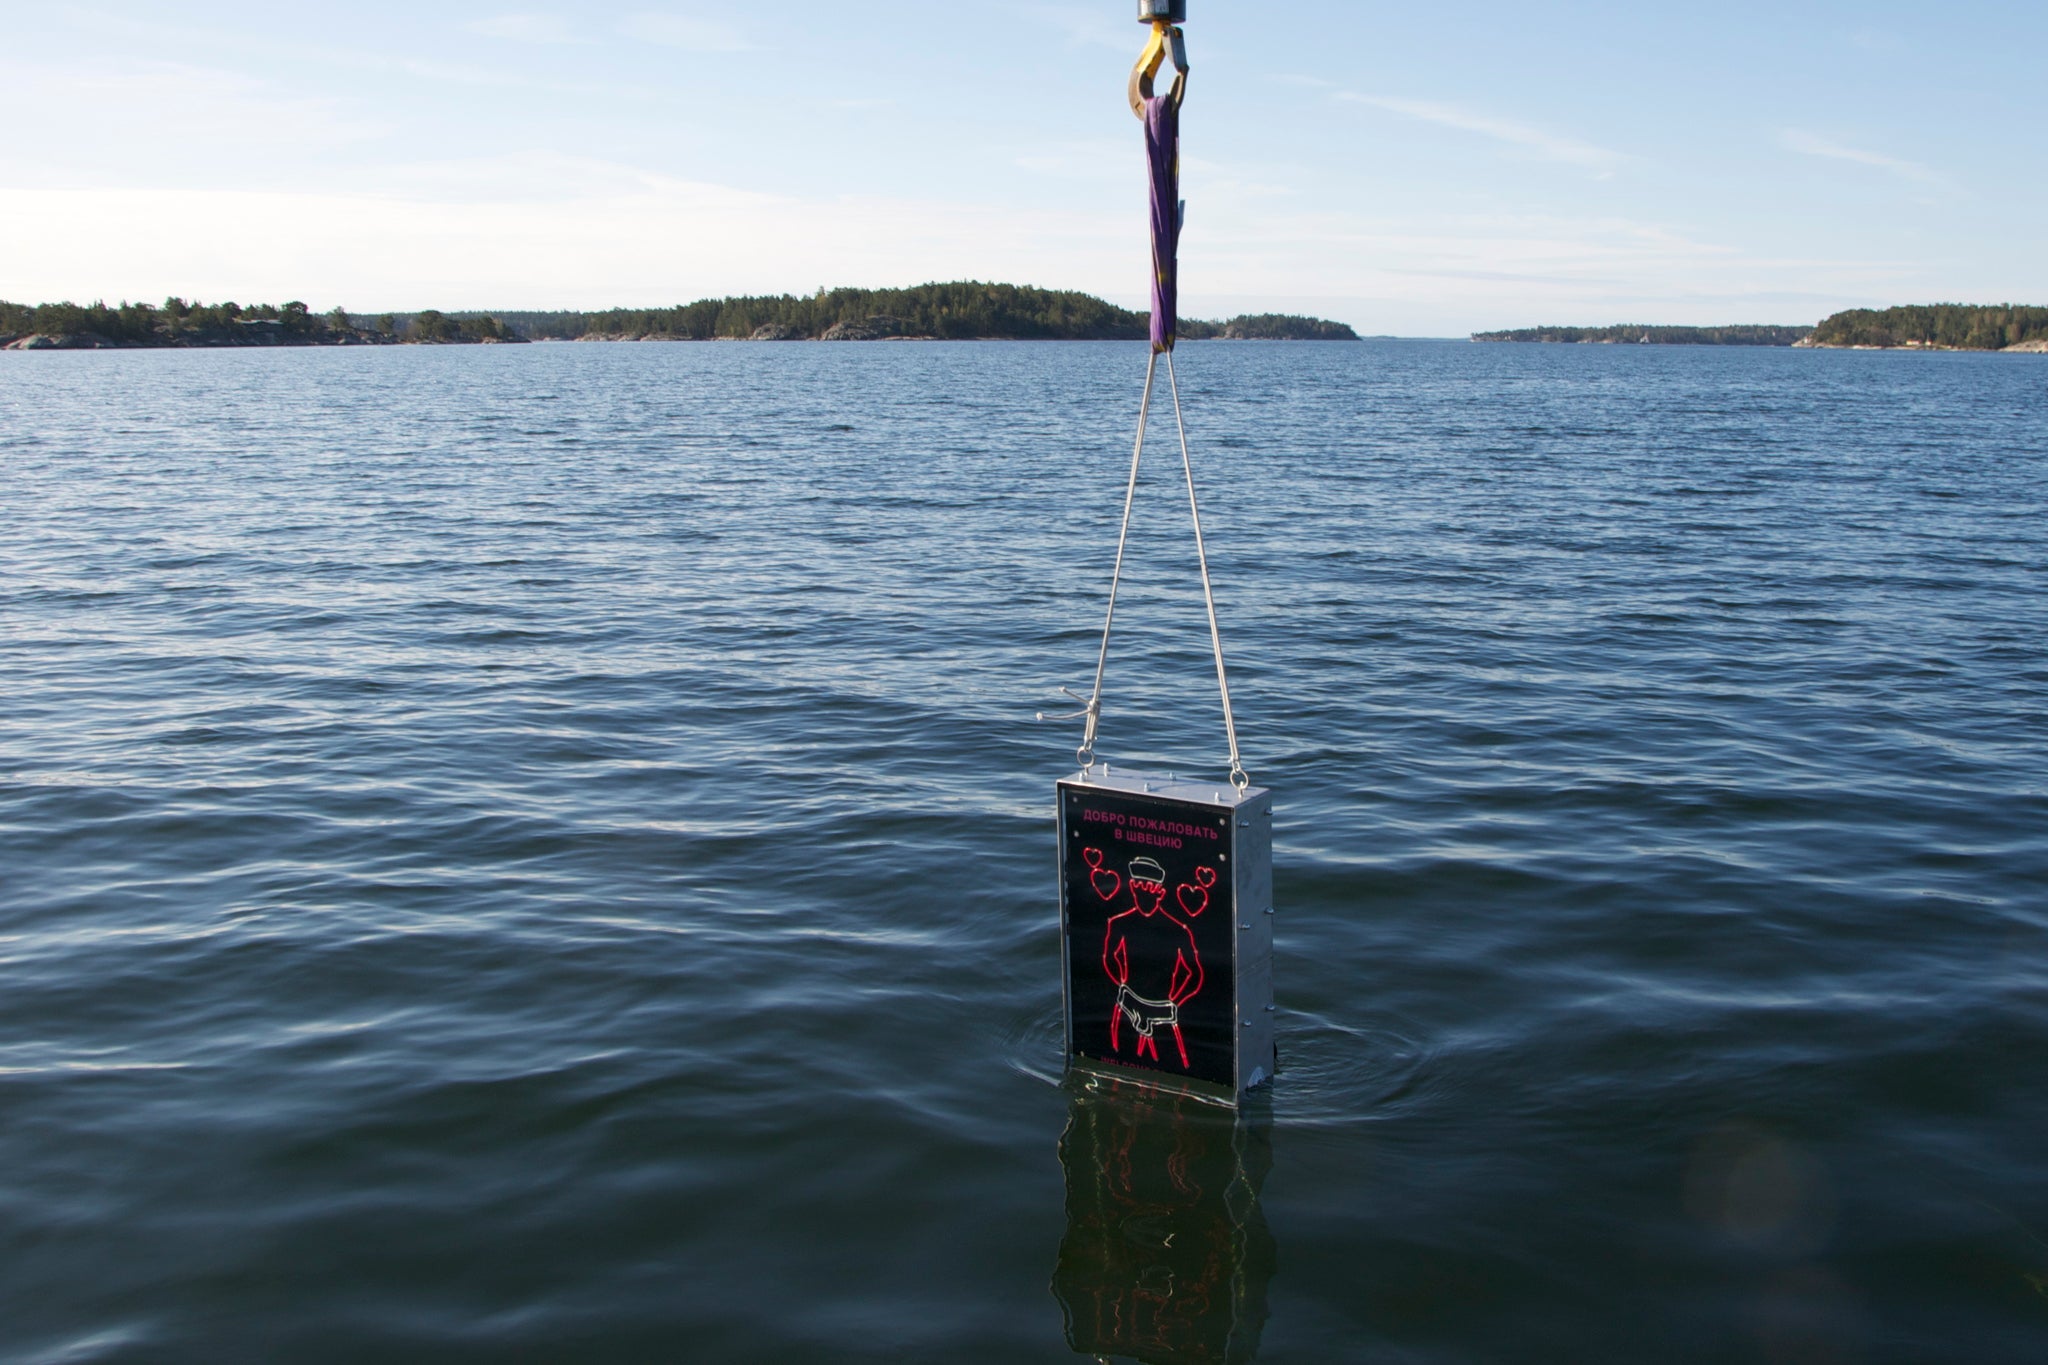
[544,854]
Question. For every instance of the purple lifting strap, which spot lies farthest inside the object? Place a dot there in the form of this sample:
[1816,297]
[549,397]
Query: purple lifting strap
[1162,156]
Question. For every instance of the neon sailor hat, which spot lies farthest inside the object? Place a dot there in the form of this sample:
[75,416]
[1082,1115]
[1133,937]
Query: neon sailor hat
[1145,870]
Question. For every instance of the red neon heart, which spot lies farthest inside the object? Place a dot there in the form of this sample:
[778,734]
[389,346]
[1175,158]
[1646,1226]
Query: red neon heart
[1194,896]
[1105,880]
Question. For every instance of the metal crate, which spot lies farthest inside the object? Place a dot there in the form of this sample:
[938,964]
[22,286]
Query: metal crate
[1166,919]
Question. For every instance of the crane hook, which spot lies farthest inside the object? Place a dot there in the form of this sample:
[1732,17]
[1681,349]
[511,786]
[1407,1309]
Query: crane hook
[1166,41]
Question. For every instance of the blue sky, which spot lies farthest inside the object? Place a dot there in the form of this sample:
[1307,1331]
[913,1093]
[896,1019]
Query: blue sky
[1420,170]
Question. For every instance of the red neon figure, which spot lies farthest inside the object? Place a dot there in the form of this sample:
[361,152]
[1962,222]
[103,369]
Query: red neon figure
[1150,953]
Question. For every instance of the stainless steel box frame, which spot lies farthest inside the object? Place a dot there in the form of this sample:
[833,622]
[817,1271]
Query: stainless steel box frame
[1249,847]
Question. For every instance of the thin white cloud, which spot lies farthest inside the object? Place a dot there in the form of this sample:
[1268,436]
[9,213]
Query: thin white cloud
[1085,26]
[270,53]
[1238,181]
[515,177]
[541,29]
[1100,160]
[541,230]
[181,107]
[1810,144]
[1548,146]
[691,35]
[614,233]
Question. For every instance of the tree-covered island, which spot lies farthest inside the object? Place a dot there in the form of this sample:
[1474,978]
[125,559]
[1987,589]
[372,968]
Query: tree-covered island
[1916,327]
[960,311]
[945,312]
[98,326]
[1937,327]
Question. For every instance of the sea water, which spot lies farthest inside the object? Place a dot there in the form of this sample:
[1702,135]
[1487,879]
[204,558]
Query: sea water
[544,853]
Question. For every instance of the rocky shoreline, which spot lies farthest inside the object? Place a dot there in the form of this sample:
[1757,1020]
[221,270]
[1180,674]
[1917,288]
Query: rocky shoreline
[1937,327]
[87,341]
[2035,347]
[1910,327]
[881,327]
[1642,334]
[958,311]
[179,325]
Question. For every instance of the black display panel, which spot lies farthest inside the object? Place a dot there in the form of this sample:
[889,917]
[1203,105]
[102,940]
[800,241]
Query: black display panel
[1151,934]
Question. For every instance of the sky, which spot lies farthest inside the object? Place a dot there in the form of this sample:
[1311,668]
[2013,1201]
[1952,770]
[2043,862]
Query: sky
[1418,170]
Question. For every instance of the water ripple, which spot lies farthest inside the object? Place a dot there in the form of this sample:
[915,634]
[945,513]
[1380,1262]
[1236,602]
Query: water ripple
[543,853]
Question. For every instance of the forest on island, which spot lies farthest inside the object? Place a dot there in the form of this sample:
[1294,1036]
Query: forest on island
[1957,326]
[961,311]
[178,323]
[947,312]
[1945,326]
[1271,327]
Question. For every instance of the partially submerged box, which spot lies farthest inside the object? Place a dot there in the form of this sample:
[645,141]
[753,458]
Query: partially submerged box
[1166,919]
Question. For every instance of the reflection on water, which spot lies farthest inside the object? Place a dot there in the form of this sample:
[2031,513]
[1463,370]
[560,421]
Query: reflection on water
[1166,1258]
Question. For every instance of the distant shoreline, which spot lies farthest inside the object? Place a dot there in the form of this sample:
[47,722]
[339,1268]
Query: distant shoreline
[2035,347]
[2000,327]
[179,325]
[42,341]
[1644,334]
[959,311]
[1936,327]
[37,341]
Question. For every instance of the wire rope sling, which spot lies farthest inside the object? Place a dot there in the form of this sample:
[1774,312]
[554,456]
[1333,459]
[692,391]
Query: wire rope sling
[1165,883]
